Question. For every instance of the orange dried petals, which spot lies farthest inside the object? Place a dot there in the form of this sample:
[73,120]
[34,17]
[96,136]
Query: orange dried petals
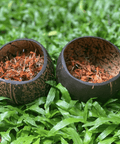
[97,70]
[89,68]
[1,70]
[21,67]
[87,72]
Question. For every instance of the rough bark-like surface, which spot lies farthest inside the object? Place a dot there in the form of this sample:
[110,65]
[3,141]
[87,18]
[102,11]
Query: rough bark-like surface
[94,52]
[78,89]
[27,92]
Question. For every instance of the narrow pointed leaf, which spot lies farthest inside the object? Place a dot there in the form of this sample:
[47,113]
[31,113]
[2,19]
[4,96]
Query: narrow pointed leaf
[109,101]
[6,135]
[63,141]
[24,140]
[107,141]
[64,92]
[29,120]
[88,137]
[37,141]
[50,97]
[75,136]
[99,121]
[62,124]
[106,132]
[4,98]
[99,109]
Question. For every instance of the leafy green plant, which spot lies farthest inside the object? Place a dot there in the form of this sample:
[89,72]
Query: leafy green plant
[58,119]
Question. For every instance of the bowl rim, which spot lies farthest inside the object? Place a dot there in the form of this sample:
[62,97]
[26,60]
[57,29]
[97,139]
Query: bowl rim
[39,74]
[83,82]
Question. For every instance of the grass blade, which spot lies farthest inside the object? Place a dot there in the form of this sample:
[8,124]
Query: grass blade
[37,141]
[3,98]
[62,124]
[88,137]
[50,97]
[101,112]
[63,141]
[106,132]
[6,136]
[98,122]
[109,101]
[107,141]
[52,83]
[64,92]
[29,120]
[75,136]
[87,106]
[47,141]
[24,140]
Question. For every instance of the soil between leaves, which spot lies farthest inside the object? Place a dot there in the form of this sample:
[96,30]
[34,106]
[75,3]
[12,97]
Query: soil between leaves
[92,63]
[21,68]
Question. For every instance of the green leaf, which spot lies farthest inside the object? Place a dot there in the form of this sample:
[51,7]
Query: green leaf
[41,131]
[88,104]
[64,91]
[64,113]
[52,33]
[52,83]
[4,98]
[6,135]
[101,112]
[43,120]
[62,124]
[106,132]
[38,101]
[114,118]
[37,109]
[24,140]
[87,137]
[117,142]
[81,5]
[74,135]
[47,141]
[29,120]
[98,122]
[50,97]
[117,133]
[37,141]
[25,131]
[107,141]
[63,104]
[63,141]
[109,101]
[6,114]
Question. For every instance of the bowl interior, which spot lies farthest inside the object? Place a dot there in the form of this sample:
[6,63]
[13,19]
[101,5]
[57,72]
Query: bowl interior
[11,49]
[18,63]
[91,59]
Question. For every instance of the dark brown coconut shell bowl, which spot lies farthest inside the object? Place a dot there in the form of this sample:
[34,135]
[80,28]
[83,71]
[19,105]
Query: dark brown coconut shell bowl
[98,53]
[22,92]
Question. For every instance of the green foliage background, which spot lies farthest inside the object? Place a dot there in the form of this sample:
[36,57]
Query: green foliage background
[53,120]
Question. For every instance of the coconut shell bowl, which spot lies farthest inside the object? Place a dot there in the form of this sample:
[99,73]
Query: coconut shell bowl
[89,67]
[25,66]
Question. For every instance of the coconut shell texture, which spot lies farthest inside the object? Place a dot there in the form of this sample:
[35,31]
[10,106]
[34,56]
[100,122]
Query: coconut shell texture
[82,90]
[25,92]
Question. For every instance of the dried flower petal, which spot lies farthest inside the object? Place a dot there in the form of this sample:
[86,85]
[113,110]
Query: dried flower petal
[22,67]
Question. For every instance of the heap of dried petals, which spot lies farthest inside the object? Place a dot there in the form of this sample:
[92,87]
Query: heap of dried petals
[91,62]
[85,71]
[21,68]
